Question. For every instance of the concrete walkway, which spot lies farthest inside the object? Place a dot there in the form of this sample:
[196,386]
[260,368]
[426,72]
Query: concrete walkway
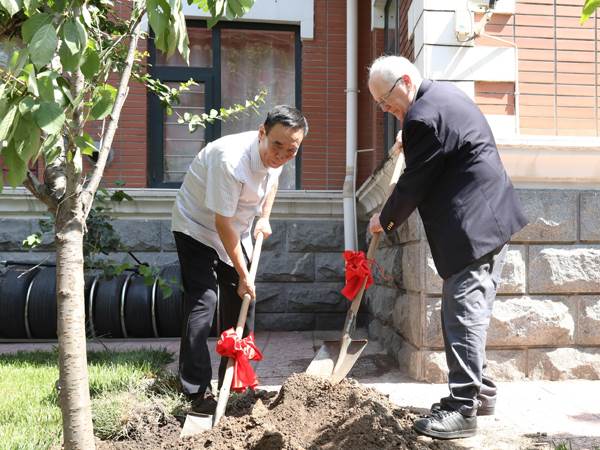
[529,414]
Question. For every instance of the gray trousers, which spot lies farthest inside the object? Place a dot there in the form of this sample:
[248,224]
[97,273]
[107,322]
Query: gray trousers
[467,299]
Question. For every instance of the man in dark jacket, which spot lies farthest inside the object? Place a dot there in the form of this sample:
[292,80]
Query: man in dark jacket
[455,178]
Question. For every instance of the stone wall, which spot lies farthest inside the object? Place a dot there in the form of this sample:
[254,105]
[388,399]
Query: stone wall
[546,319]
[300,274]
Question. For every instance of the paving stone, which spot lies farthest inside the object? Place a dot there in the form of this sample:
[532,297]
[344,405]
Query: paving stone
[315,236]
[564,269]
[564,363]
[552,215]
[532,321]
[589,321]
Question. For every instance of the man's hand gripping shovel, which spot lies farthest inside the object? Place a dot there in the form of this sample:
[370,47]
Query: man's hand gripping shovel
[335,359]
[195,422]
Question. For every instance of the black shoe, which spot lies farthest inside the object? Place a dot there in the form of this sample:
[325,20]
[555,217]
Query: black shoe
[487,410]
[442,424]
[204,404]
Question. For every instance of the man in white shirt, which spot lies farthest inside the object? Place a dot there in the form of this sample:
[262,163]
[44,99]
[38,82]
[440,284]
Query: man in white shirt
[231,181]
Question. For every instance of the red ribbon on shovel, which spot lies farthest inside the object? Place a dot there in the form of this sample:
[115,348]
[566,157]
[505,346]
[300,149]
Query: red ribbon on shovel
[358,268]
[242,351]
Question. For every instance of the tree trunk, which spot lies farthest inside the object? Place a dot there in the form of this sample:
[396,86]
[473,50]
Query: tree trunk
[74,395]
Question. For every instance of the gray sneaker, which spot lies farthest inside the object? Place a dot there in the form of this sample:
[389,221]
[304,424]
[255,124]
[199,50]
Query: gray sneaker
[442,424]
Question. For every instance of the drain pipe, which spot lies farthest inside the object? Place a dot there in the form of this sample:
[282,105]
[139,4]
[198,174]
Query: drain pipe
[350,239]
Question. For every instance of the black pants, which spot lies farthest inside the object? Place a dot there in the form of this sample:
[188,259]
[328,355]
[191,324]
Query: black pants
[205,279]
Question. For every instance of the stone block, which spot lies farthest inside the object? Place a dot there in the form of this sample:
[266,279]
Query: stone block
[388,270]
[564,364]
[315,236]
[588,332]
[167,241]
[564,269]
[390,340]
[407,317]
[374,328]
[330,321]
[514,272]
[433,281]
[14,231]
[432,326]
[552,215]
[506,365]
[315,297]
[277,266]
[532,321]
[381,301]
[271,298]
[277,240]
[409,360]
[412,229]
[329,267]
[589,217]
[412,272]
[284,322]
[433,367]
[139,235]
[29,257]
[152,258]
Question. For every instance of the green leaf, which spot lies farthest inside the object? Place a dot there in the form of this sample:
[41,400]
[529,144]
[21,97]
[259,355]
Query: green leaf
[33,240]
[70,36]
[86,144]
[6,122]
[50,148]
[30,6]
[17,61]
[91,63]
[27,140]
[588,9]
[103,100]
[32,88]
[43,45]
[11,6]
[17,169]
[70,61]
[48,87]
[85,13]
[82,35]
[50,117]
[27,106]
[33,24]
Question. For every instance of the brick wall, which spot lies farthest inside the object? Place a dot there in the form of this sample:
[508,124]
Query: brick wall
[558,68]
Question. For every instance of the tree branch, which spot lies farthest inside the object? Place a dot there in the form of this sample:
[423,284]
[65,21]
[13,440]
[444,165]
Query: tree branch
[98,170]
[39,191]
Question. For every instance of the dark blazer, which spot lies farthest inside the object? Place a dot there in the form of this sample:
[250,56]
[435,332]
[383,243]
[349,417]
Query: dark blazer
[455,177]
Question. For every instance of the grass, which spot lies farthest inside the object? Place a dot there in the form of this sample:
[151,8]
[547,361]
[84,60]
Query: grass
[119,383]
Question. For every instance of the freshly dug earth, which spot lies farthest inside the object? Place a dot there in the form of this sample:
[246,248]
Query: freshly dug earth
[309,413]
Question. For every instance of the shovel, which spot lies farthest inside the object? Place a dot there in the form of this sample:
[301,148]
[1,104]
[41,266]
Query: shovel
[347,350]
[196,422]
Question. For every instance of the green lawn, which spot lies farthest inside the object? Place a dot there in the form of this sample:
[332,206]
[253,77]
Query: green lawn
[29,412]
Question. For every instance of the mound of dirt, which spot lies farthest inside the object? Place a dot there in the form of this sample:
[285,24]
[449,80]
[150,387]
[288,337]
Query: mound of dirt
[307,414]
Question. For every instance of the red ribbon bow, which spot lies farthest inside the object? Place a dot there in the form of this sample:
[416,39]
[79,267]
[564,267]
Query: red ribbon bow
[358,268]
[242,351]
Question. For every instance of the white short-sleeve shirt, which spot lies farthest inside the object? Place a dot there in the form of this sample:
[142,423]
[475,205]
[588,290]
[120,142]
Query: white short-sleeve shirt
[229,178]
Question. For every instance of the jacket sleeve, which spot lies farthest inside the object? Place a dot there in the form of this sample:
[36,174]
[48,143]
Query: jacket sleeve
[425,159]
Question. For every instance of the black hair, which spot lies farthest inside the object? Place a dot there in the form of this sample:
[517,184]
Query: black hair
[288,116]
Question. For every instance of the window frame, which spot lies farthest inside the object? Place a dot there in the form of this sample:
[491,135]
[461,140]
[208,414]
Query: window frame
[212,77]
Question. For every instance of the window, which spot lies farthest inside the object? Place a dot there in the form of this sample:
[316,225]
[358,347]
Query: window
[231,63]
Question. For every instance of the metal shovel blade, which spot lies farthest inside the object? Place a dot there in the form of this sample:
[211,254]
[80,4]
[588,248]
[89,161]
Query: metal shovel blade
[196,423]
[325,360]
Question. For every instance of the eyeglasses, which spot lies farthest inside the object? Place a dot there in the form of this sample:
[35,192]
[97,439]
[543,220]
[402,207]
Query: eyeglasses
[383,99]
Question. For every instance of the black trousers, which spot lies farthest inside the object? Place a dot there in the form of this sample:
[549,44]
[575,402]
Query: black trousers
[207,282]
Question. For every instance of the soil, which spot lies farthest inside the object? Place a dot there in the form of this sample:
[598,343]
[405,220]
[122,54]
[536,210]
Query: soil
[307,414]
